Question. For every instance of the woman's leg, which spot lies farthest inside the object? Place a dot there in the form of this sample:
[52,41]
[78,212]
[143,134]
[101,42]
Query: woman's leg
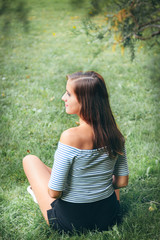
[38,175]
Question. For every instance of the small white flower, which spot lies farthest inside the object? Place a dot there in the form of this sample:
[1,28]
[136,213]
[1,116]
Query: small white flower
[39,110]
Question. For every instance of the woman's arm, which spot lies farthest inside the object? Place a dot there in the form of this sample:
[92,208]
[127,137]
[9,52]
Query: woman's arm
[62,162]
[120,181]
[54,194]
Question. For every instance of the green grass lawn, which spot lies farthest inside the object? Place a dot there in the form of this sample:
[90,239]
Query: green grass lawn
[33,67]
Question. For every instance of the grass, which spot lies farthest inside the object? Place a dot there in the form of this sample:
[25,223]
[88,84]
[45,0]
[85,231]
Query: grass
[33,67]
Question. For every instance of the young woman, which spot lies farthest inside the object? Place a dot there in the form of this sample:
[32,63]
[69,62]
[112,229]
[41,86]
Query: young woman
[89,163]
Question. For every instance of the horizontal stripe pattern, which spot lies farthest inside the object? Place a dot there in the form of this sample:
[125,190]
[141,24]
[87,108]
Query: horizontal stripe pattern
[85,175]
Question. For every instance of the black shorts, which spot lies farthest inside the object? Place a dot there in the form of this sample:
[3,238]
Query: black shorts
[69,217]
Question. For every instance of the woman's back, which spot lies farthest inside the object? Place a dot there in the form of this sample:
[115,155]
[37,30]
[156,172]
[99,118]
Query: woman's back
[83,173]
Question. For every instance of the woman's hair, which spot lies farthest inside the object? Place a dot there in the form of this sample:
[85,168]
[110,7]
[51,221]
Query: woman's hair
[92,94]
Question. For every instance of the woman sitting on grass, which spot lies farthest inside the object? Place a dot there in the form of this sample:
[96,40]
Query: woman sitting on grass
[89,163]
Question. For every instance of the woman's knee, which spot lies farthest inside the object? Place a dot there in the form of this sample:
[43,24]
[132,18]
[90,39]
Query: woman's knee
[29,159]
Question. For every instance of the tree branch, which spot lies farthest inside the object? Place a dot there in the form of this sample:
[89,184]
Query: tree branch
[140,37]
[153,21]
[148,26]
[146,38]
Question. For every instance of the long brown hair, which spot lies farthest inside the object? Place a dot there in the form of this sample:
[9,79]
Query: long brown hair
[92,94]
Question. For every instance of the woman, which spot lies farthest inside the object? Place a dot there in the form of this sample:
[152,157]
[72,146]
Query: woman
[89,163]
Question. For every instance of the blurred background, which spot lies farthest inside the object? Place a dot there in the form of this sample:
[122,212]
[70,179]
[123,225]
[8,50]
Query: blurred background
[40,43]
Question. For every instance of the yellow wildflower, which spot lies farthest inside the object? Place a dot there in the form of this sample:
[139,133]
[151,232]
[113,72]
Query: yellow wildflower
[122,50]
[114,47]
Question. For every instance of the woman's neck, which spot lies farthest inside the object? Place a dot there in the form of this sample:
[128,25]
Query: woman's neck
[82,122]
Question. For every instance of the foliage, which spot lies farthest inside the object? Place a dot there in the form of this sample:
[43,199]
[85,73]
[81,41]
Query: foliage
[125,22]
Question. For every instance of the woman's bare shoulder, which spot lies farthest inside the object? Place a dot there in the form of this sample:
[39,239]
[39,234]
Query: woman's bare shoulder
[77,137]
[70,137]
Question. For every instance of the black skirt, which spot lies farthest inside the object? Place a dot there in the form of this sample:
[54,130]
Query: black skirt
[69,217]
